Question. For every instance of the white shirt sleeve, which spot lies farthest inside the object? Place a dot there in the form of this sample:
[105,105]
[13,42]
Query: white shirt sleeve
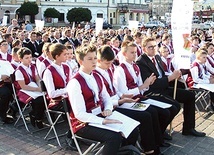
[48,80]
[120,83]
[194,72]
[41,68]
[209,67]
[18,75]
[78,103]
[106,99]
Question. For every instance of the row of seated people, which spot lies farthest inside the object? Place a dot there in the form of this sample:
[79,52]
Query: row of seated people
[90,88]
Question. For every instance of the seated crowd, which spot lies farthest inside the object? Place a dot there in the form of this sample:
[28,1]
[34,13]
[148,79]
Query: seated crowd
[96,74]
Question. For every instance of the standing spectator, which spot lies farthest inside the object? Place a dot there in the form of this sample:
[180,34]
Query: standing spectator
[28,26]
[87,26]
[14,24]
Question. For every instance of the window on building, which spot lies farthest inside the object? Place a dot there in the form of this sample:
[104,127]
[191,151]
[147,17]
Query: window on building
[120,1]
[110,14]
[113,1]
[100,1]
[99,15]
[114,14]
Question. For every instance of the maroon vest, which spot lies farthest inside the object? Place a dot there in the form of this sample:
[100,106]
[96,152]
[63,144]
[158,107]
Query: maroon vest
[47,63]
[129,79]
[9,57]
[189,79]
[210,61]
[108,88]
[130,83]
[58,82]
[27,78]
[40,58]
[89,99]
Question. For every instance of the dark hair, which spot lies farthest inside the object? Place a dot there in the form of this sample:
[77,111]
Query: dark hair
[3,41]
[105,53]
[23,51]
[15,50]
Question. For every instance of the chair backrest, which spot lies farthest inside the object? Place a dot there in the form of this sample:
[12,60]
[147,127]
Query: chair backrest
[43,87]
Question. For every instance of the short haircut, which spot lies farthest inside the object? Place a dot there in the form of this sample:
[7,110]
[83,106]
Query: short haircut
[16,42]
[128,38]
[23,51]
[208,44]
[146,40]
[56,49]
[45,47]
[200,52]
[137,35]
[15,50]
[7,35]
[3,41]
[105,53]
[126,44]
[114,39]
[82,51]
[165,37]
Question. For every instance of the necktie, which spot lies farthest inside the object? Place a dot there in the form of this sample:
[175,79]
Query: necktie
[153,61]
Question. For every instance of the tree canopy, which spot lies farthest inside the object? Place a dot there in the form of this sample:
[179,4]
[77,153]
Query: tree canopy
[52,13]
[78,15]
[29,8]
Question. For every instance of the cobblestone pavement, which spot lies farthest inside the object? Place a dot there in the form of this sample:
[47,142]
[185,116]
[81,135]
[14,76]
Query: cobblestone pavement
[17,141]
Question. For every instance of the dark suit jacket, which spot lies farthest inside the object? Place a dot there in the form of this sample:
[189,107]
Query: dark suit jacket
[147,68]
[33,49]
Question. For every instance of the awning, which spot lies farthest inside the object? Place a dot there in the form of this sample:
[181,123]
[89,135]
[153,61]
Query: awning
[139,11]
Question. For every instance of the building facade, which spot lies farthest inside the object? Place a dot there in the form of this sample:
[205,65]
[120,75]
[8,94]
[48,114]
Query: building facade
[112,11]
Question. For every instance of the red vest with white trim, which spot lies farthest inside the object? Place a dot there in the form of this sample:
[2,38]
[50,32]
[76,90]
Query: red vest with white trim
[89,100]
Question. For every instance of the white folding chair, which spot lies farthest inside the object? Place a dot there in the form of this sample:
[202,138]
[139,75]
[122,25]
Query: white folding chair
[48,113]
[95,147]
[21,110]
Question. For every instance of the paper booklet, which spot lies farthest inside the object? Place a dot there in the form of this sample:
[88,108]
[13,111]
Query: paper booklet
[208,86]
[33,94]
[134,106]
[6,68]
[156,103]
[127,126]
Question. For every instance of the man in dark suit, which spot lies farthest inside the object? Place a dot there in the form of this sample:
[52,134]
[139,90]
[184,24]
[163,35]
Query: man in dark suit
[150,63]
[33,45]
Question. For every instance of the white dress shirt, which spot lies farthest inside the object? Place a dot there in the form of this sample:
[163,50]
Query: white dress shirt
[73,66]
[48,80]
[120,80]
[42,66]
[195,71]
[38,61]
[78,103]
[105,74]
[3,55]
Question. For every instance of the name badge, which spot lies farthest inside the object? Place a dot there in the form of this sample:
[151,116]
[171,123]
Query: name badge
[96,110]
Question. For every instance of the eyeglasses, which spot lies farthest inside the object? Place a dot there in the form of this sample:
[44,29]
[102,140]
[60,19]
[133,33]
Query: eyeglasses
[151,47]
[4,44]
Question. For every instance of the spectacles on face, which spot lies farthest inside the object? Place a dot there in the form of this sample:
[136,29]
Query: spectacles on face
[4,44]
[151,47]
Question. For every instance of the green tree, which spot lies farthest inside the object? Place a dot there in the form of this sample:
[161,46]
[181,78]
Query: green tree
[29,8]
[78,15]
[51,13]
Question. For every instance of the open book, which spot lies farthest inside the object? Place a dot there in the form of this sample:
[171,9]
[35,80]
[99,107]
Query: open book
[208,86]
[156,103]
[33,94]
[6,68]
[134,106]
[127,126]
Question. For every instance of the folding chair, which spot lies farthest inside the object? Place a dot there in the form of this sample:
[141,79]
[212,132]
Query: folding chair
[48,113]
[95,147]
[21,110]
[200,95]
